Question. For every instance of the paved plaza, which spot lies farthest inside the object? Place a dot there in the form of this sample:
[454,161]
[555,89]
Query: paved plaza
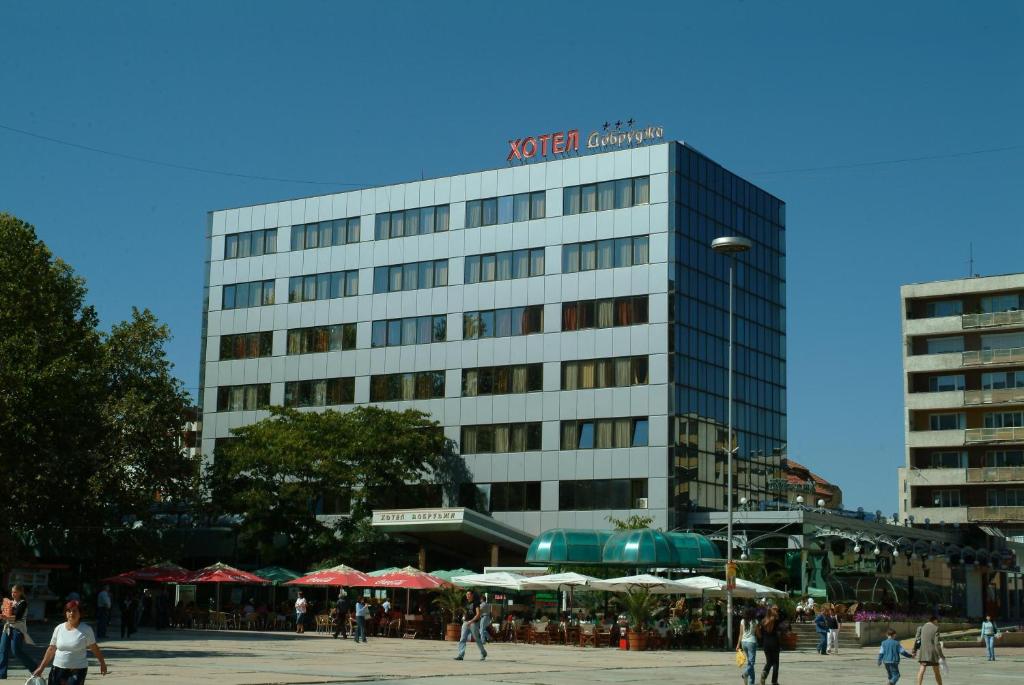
[240,658]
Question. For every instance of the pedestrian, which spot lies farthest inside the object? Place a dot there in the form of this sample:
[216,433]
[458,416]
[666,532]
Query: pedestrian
[485,619]
[928,650]
[821,626]
[386,606]
[889,653]
[471,626]
[341,615]
[988,634]
[301,606]
[103,607]
[15,633]
[771,627]
[832,621]
[361,612]
[127,607]
[747,643]
[67,650]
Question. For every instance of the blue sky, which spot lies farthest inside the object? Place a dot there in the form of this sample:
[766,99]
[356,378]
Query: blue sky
[372,93]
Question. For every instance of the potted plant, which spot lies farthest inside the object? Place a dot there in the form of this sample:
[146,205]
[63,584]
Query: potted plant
[450,600]
[638,604]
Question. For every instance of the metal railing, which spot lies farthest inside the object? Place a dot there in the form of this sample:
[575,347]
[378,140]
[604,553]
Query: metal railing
[1015,434]
[995,474]
[1010,513]
[999,396]
[992,319]
[1004,356]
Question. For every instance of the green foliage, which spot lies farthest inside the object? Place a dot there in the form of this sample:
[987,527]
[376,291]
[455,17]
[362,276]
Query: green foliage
[633,522]
[639,604]
[89,422]
[450,600]
[274,471]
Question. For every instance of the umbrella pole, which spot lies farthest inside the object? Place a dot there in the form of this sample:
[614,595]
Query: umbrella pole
[407,595]
[218,596]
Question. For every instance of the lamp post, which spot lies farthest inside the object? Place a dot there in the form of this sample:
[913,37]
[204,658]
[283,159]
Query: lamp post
[731,246]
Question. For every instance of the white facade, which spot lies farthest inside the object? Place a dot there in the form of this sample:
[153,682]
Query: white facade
[548,466]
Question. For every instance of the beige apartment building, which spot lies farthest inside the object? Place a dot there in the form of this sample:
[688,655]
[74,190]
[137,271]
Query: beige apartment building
[963,365]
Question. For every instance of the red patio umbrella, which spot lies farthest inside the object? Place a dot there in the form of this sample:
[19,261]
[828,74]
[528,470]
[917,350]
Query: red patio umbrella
[409,578]
[160,573]
[222,573]
[336,576]
[119,579]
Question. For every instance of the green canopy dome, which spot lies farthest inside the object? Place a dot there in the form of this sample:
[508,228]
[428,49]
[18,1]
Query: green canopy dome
[644,547]
[567,546]
[694,550]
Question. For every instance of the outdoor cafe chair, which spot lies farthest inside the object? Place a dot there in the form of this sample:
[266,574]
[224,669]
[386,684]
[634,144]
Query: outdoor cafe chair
[539,634]
[323,623]
[588,635]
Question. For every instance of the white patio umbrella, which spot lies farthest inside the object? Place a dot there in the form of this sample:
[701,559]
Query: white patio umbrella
[498,579]
[558,581]
[714,587]
[654,584]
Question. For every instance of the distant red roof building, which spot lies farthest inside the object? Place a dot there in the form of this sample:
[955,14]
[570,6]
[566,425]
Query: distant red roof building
[809,484]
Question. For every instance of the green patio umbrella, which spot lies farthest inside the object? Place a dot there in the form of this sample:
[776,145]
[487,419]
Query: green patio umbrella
[383,571]
[448,575]
[276,575]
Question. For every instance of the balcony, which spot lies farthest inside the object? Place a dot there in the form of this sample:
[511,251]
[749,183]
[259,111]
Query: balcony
[952,399]
[935,477]
[937,514]
[928,438]
[996,474]
[1011,318]
[932,325]
[995,514]
[943,361]
[973,435]
[1012,355]
[1000,396]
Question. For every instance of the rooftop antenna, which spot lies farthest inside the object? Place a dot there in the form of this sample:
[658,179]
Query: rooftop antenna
[970,264]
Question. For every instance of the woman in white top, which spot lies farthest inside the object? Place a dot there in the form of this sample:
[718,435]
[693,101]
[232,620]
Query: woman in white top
[67,650]
[300,613]
[747,643]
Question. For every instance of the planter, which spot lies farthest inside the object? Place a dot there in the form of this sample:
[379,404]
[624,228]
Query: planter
[637,641]
[788,641]
[452,632]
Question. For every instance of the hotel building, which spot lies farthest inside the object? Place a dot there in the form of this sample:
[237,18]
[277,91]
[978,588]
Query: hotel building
[565,320]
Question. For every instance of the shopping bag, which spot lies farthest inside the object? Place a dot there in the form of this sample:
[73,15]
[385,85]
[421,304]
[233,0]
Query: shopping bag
[35,680]
[943,666]
[741,659]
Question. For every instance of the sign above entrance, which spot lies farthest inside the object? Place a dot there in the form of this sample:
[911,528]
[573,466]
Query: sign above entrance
[615,136]
[419,516]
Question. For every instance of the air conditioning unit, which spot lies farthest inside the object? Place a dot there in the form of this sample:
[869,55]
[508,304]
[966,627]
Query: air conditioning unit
[641,503]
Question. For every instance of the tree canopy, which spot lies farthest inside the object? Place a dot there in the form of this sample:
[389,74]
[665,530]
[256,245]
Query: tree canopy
[89,421]
[276,475]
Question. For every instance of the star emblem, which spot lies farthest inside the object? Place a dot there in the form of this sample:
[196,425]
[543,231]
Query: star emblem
[605,126]
[630,122]
[618,125]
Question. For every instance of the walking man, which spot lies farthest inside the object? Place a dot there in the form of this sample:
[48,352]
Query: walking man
[471,626]
[832,620]
[821,626]
[103,606]
[301,606]
[341,615]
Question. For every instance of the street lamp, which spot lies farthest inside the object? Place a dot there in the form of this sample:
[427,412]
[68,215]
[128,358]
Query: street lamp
[731,246]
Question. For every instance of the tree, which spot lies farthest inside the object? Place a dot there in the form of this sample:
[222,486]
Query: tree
[275,473]
[50,379]
[632,522]
[89,423]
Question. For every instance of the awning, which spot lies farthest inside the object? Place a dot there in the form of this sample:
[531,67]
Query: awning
[568,546]
[629,548]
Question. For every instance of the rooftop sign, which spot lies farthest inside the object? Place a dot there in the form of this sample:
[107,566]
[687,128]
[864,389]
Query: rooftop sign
[612,137]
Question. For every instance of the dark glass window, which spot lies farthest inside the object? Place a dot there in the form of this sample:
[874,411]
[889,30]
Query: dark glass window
[246,345]
[596,197]
[500,438]
[323,286]
[243,295]
[250,244]
[325,392]
[419,385]
[243,397]
[412,276]
[409,222]
[501,380]
[586,495]
[605,254]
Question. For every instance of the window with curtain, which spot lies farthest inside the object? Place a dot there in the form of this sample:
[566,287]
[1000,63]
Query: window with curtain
[605,254]
[594,197]
[407,386]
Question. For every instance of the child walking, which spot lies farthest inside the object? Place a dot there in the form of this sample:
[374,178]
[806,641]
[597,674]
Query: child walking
[889,654]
